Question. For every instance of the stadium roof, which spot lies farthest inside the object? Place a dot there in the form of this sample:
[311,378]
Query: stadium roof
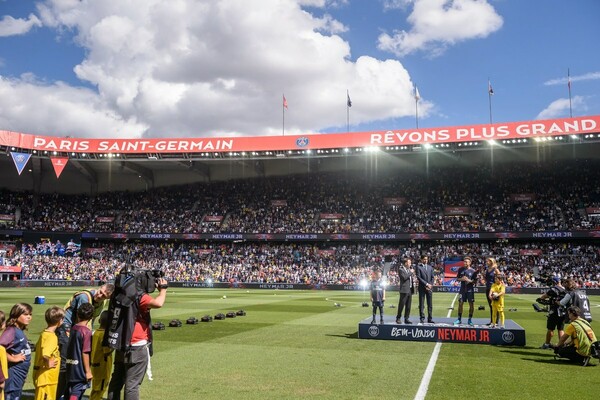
[97,165]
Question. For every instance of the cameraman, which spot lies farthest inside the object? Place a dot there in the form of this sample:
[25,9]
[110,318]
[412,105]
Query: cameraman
[130,366]
[555,318]
[577,298]
[576,343]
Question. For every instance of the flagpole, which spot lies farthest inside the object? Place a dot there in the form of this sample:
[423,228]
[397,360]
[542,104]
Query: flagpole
[347,111]
[417,98]
[417,111]
[490,92]
[283,116]
[569,84]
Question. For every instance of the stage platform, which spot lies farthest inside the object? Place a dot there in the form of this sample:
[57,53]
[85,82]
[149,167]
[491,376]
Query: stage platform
[443,330]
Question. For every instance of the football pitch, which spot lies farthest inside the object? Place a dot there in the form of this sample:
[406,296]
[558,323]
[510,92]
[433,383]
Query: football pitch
[298,344]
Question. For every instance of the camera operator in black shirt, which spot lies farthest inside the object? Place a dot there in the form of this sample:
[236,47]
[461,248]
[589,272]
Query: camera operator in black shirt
[556,319]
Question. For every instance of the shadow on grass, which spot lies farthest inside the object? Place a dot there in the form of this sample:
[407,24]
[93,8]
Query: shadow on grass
[532,352]
[347,335]
[30,394]
[564,362]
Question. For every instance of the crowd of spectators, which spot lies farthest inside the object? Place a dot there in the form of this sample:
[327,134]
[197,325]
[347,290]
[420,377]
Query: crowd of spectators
[550,196]
[524,264]
[555,197]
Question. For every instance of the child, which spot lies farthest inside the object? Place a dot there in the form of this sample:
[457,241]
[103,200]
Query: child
[46,364]
[79,373]
[377,296]
[17,348]
[102,360]
[497,297]
[3,360]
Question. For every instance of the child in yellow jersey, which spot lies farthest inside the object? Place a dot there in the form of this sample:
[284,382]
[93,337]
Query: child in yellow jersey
[3,359]
[497,292]
[46,365]
[102,361]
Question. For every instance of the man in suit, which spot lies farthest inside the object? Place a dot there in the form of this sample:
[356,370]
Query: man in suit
[405,274]
[425,278]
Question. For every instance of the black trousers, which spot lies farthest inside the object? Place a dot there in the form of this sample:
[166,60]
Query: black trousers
[128,373]
[404,305]
[62,390]
[488,290]
[571,353]
[423,295]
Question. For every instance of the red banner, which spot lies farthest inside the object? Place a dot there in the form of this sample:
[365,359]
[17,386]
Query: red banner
[390,252]
[59,164]
[397,137]
[530,252]
[7,217]
[394,201]
[213,218]
[94,250]
[326,252]
[330,216]
[451,268]
[106,220]
[279,203]
[516,197]
[204,251]
[12,269]
[594,211]
[455,211]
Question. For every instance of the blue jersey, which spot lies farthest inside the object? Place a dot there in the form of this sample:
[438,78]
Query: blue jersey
[377,290]
[80,341]
[469,273]
[14,341]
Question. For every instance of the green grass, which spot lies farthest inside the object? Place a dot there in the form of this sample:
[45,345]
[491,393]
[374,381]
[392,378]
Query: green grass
[297,345]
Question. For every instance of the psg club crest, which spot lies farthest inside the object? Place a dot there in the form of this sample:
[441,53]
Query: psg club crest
[302,141]
[508,337]
[20,160]
[373,330]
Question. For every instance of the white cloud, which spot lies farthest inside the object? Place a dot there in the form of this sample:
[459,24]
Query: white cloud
[437,24]
[322,3]
[560,108]
[205,68]
[10,26]
[61,110]
[330,25]
[396,4]
[590,76]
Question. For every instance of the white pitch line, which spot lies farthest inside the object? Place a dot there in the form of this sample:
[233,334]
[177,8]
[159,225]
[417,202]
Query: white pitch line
[422,392]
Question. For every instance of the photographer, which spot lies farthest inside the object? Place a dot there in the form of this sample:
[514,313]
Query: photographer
[555,317]
[132,360]
[576,343]
[97,298]
[577,298]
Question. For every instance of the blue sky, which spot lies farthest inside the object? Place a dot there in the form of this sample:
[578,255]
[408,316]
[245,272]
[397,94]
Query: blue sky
[219,68]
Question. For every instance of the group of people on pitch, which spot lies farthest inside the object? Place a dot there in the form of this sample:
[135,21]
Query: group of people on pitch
[70,358]
[422,277]
[569,313]
[577,342]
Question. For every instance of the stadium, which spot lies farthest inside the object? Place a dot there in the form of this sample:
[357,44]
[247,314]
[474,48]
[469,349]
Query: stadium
[290,229]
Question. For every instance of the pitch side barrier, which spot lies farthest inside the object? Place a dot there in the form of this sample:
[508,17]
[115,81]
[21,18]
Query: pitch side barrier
[306,237]
[279,286]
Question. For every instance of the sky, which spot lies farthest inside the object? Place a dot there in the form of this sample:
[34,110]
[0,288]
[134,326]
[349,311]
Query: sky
[206,68]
